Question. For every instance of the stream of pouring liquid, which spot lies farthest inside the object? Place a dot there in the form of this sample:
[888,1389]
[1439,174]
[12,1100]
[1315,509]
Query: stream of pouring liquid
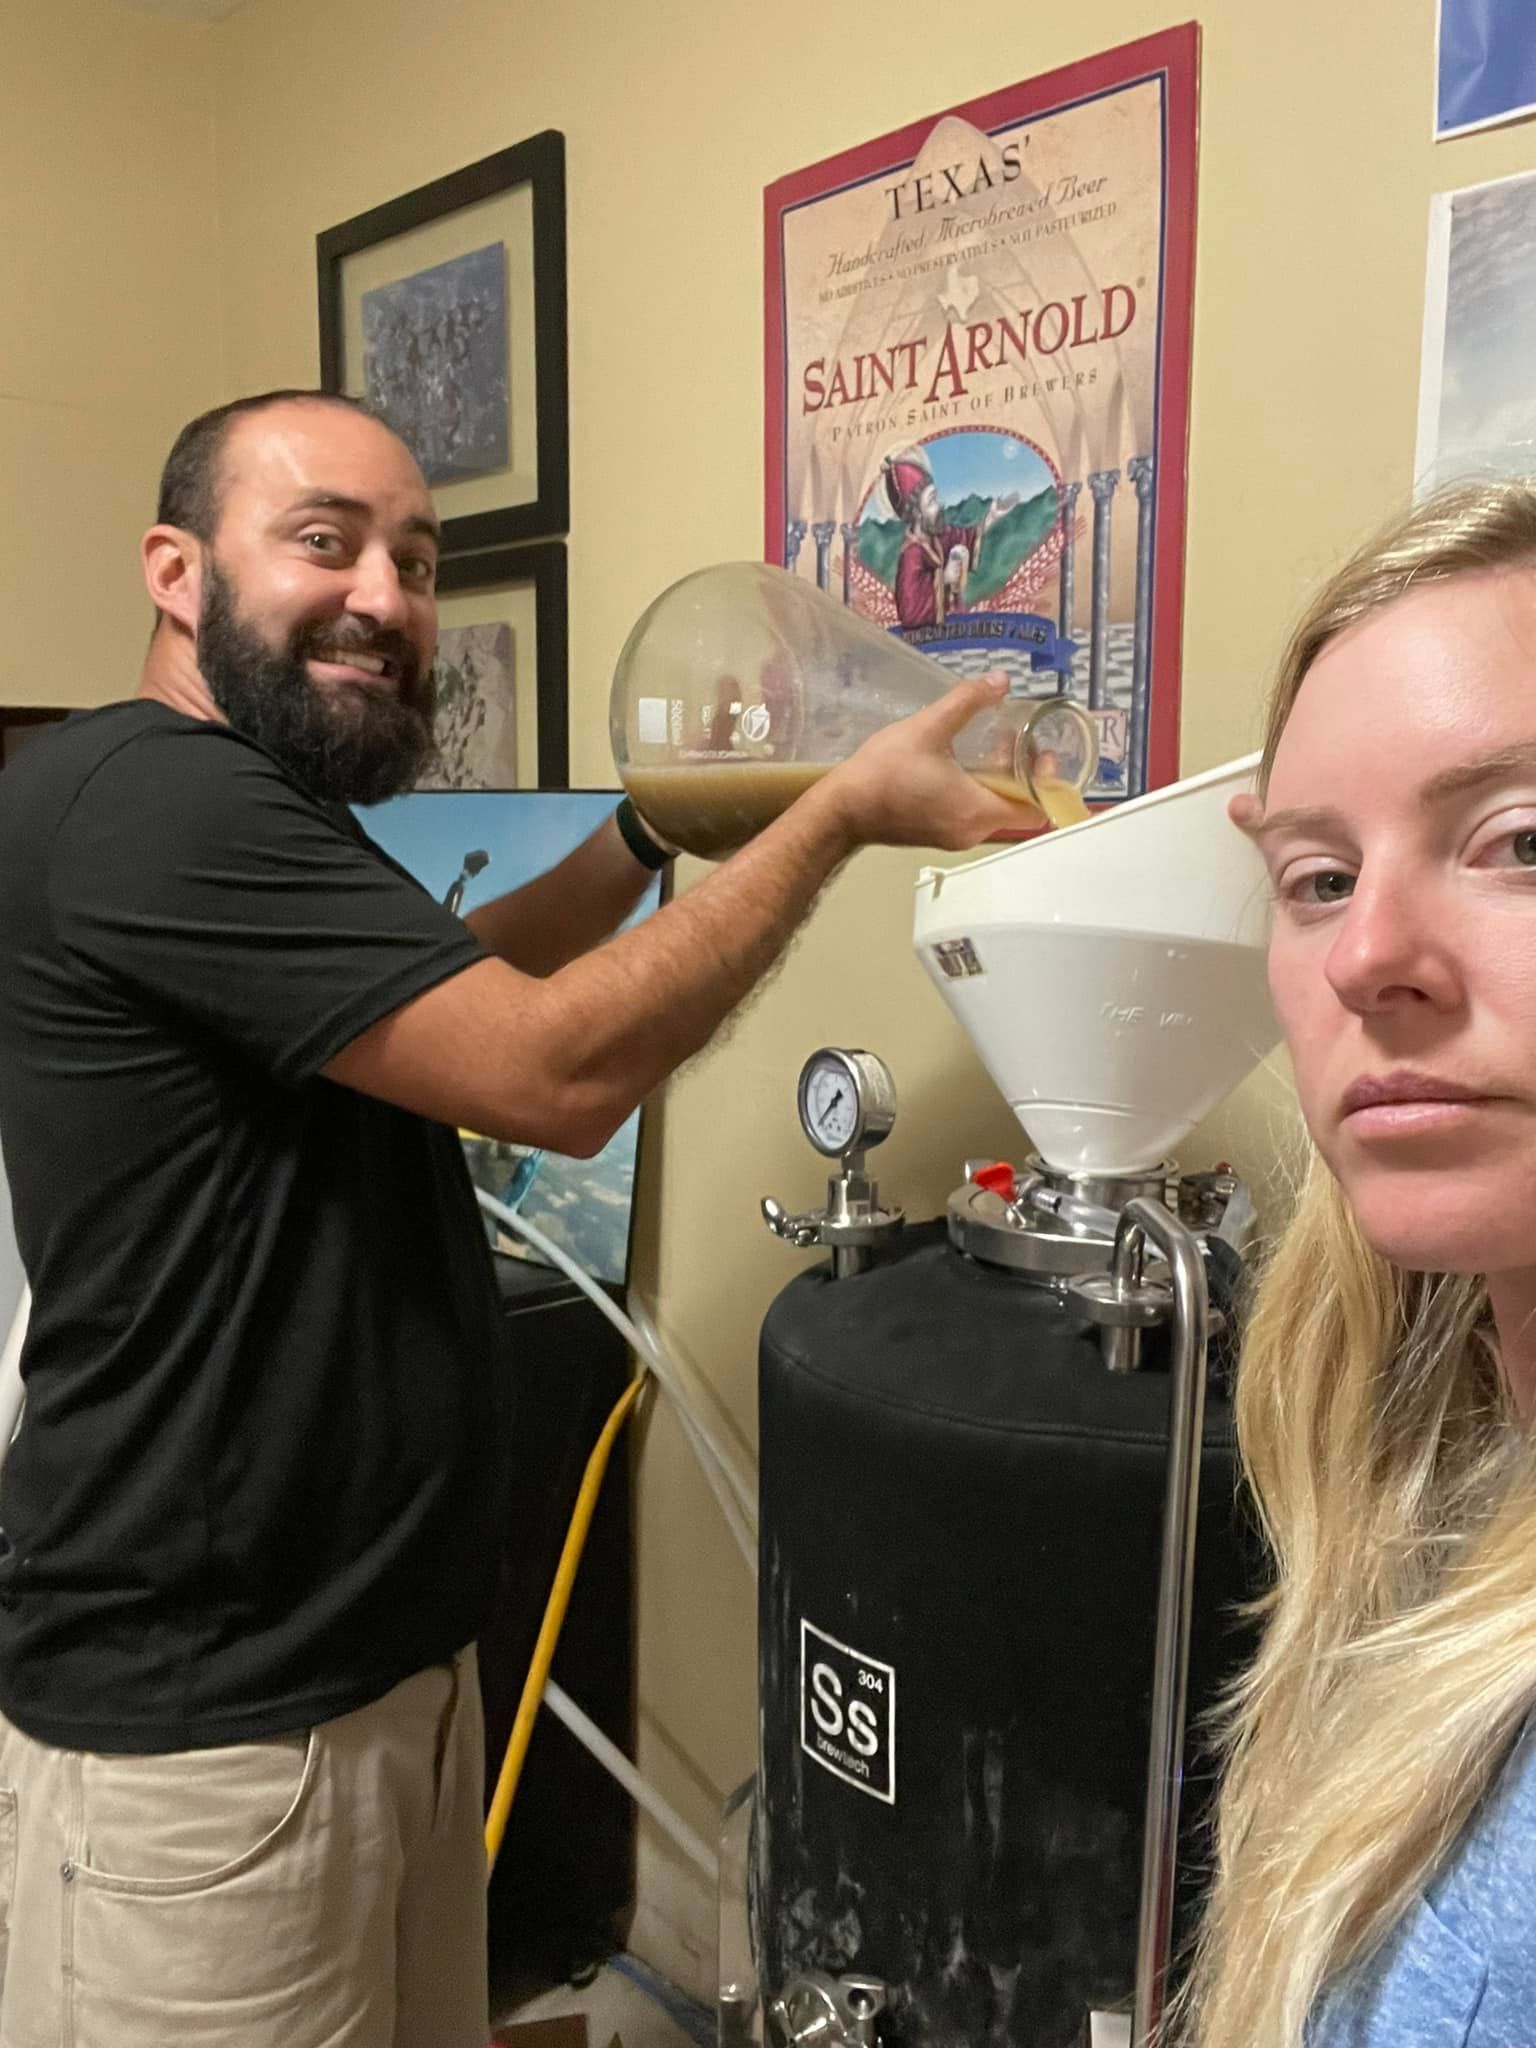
[714,809]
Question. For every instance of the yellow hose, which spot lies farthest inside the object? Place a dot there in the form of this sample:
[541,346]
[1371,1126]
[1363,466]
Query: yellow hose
[554,1620]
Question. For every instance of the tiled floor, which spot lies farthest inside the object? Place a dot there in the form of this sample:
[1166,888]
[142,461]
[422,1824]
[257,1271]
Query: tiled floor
[624,1999]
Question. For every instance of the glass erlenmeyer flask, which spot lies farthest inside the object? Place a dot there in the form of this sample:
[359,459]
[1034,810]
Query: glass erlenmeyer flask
[743,684]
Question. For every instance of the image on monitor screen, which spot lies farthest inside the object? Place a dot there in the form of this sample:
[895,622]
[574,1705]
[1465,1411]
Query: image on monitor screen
[465,847]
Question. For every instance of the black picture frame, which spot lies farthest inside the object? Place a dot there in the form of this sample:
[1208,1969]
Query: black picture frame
[543,564]
[539,164]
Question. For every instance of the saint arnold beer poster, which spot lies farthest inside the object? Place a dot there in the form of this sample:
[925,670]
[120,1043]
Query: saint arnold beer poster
[977,360]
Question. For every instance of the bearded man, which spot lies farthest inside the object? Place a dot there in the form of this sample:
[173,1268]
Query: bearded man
[249,1525]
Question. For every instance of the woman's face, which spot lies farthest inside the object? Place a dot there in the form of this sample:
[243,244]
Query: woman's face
[1400,833]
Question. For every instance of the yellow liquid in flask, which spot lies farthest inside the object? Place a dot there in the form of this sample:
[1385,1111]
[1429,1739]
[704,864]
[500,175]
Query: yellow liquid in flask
[715,809]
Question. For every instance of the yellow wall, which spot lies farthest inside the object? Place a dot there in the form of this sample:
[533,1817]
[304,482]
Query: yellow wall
[1315,171]
[111,332]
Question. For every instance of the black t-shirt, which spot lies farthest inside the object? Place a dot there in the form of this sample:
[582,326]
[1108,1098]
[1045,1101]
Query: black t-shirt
[259,1476]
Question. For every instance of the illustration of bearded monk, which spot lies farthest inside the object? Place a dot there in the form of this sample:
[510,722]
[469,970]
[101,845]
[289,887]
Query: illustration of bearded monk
[935,558]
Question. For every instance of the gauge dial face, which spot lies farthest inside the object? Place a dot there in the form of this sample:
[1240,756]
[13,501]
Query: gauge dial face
[830,1105]
[847,1101]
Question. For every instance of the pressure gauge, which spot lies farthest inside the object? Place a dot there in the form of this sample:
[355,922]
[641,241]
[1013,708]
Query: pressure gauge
[847,1104]
[847,1101]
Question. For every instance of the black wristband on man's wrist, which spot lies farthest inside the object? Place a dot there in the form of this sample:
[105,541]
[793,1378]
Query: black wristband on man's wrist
[648,851]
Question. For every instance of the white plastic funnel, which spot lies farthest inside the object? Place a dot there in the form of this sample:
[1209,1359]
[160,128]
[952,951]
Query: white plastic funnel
[1112,975]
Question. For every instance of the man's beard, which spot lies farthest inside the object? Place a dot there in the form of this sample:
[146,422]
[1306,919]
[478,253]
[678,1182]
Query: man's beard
[345,742]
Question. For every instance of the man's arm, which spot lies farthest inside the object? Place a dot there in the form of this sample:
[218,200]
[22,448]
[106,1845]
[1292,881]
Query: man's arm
[562,1061]
[562,914]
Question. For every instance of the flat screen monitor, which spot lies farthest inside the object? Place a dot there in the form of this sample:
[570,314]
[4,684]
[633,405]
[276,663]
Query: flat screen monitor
[482,843]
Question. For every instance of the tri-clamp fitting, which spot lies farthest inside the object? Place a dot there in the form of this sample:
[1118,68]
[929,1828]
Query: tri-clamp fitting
[850,1226]
[1123,1301]
[818,2011]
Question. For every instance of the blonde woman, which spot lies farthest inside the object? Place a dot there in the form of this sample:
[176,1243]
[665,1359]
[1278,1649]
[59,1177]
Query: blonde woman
[1376,1878]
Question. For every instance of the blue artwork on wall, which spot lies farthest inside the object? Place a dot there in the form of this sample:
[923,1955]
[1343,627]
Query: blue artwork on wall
[1486,63]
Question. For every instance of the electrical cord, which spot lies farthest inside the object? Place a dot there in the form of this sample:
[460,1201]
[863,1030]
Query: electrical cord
[554,1619]
[729,1490]
[730,1493]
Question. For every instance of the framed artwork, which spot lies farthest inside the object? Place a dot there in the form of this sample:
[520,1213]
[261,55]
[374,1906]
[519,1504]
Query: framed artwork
[977,360]
[1477,387]
[502,671]
[445,310]
[465,848]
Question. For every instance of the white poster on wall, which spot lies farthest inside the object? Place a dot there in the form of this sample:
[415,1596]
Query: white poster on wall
[1477,383]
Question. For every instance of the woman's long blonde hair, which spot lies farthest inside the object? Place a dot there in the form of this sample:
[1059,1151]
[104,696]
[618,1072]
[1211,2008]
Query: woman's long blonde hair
[1399,1500]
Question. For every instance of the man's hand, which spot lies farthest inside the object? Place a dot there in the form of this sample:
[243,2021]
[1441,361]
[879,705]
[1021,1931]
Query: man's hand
[904,786]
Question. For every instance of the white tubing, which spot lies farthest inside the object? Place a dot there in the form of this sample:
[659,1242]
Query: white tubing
[618,1765]
[12,1392]
[722,1485]
[743,1488]
[722,1481]
[719,1486]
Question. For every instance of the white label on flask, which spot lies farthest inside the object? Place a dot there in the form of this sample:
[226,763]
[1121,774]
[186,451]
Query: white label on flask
[651,721]
[755,721]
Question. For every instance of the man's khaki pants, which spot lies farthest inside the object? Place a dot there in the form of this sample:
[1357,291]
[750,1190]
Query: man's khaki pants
[326,1891]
